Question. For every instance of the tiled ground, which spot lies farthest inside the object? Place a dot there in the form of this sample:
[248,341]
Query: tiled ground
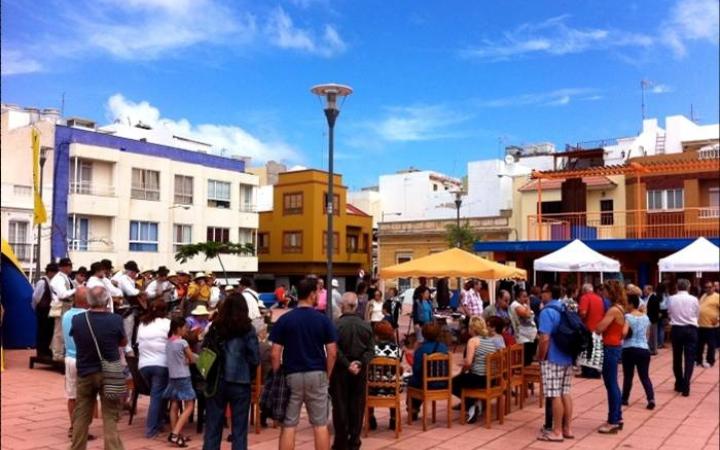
[34,417]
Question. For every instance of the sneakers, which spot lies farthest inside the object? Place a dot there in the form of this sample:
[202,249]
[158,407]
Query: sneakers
[471,415]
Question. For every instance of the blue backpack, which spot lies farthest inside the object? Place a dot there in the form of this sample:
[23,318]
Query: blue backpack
[571,336]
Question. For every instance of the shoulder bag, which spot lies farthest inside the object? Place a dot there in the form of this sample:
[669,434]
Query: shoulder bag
[114,386]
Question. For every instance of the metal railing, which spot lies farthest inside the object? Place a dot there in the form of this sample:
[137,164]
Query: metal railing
[631,224]
[85,188]
[709,153]
[22,250]
[82,245]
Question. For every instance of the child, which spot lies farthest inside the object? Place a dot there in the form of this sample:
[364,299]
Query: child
[179,389]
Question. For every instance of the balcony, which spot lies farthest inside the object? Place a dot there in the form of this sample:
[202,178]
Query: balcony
[22,250]
[632,224]
[100,245]
[84,188]
[709,152]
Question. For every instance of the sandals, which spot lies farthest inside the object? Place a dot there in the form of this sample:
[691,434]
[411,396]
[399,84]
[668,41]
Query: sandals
[548,437]
[177,439]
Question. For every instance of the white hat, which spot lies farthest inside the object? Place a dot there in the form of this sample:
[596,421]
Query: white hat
[200,275]
[335,283]
[200,310]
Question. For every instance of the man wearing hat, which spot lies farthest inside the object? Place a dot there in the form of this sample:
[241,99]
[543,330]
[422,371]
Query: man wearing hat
[42,298]
[99,278]
[64,292]
[160,287]
[199,291]
[80,277]
[197,324]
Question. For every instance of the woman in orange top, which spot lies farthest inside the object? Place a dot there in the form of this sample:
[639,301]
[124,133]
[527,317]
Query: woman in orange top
[611,328]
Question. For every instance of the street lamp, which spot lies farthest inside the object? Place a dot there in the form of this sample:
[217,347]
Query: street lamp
[330,92]
[43,158]
[458,204]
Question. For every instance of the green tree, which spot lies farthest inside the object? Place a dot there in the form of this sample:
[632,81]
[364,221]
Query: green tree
[213,250]
[463,235]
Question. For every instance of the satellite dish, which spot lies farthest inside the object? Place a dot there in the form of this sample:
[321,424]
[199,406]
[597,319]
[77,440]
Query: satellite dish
[509,159]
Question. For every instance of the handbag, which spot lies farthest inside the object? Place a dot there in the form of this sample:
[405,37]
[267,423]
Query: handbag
[593,356]
[114,386]
[208,364]
[206,361]
[275,396]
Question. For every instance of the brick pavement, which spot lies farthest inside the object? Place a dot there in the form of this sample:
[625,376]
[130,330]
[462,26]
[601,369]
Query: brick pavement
[34,417]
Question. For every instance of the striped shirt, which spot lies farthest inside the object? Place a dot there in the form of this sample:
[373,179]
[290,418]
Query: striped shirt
[485,347]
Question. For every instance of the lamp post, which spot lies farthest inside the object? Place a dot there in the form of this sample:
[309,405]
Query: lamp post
[43,158]
[330,92]
[458,204]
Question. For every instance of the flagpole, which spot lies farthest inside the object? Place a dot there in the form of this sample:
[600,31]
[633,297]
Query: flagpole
[43,158]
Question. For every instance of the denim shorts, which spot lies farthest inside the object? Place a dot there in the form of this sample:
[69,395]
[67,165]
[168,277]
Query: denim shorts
[310,388]
[179,389]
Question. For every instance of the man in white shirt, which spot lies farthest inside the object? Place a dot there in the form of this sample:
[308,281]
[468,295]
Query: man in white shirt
[683,310]
[43,296]
[254,304]
[64,291]
[160,287]
[126,282]
[99,279]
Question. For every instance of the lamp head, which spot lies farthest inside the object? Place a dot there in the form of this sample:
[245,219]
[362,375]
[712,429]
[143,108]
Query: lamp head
[331,92]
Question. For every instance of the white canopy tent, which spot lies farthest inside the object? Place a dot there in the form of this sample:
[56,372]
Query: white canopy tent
[575,257]
[700,256]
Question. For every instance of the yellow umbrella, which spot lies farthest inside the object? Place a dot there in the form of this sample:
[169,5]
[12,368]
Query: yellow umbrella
[453,263]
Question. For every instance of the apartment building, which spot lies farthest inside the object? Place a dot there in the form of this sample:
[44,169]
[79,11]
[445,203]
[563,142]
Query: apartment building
[292,240]
[121,198]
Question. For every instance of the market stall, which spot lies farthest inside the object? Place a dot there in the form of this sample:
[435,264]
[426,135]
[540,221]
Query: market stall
[700,256]
[576,257]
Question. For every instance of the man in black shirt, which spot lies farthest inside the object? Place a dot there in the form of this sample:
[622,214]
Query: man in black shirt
[109,335]
[347,385]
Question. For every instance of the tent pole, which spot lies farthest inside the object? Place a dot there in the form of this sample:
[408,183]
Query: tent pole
[601,278]
[534,277]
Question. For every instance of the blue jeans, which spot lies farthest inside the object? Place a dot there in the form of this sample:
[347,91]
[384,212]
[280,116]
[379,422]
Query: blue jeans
[157,379]
[238,396]
[611,359]
[661,332]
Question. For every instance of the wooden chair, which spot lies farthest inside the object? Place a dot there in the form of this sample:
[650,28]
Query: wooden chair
[436,370]
[140,385]
[255,393]
[383,378]
[516,377]
[532,374]
[494,389]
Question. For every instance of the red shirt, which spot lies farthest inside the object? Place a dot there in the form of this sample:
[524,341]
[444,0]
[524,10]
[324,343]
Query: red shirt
[280,294]
[593,305]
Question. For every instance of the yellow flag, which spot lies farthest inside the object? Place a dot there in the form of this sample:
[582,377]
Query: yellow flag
[40,215]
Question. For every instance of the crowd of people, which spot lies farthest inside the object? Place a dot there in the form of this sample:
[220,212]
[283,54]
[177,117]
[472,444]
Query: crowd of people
[161,322]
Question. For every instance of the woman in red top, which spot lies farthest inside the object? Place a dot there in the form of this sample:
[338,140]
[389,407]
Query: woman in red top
[611,328]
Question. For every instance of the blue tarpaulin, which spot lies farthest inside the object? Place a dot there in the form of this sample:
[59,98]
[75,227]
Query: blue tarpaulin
[19,326]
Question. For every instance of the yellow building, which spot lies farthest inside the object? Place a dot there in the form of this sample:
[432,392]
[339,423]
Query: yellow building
[292,237]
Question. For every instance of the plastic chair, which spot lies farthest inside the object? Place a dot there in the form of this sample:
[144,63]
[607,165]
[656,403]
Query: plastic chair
[382,389]
[494,389]
[436,370]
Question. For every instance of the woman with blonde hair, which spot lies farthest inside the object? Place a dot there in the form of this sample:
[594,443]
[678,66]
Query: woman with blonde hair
[611,328]
[473,373]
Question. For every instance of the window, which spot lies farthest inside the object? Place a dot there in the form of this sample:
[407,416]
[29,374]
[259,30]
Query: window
[77,233]
[336,204]
[292,203]
[247,201]
[182,235]
[218,194]
[143,236]
[665,199]
[18,239]
[245,235]
[365,242]
[263,242]
[352,243]
[218,234]
[606,212]
[714,197]
[80,182]
[336,243]
[22,190]
[183,190]
[145,184]
[403,283]
[292,242]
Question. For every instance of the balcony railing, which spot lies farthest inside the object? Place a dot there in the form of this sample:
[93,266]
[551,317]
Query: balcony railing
[81,245]
[709,153]
[84,188]
[22,250]
[631,224]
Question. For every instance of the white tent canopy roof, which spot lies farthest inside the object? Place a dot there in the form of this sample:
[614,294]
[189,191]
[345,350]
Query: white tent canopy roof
[576,257]
[700,256]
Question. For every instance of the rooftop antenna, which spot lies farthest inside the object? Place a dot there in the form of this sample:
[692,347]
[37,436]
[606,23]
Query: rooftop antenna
[692,115]
[644,84]
[62,106]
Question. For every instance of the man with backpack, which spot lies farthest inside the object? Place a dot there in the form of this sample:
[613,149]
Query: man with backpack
[556,363]
[41,300]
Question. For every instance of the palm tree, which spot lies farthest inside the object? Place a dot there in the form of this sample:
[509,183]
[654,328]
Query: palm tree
[213,249]
[462,236]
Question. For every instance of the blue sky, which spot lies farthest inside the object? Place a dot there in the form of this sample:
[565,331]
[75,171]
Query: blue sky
[437,84]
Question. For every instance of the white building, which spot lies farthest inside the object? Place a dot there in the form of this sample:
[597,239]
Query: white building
[367,200]
[130,199]
[654,140]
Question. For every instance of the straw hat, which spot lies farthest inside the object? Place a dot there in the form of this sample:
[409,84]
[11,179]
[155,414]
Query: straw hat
[200,275]
[200,310]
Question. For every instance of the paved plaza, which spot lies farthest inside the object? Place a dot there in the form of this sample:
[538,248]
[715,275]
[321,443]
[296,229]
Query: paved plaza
[34,417]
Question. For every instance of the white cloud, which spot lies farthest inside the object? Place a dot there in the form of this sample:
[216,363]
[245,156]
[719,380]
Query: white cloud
[661,89]
[691,20]
[232,138]
[553,36]
[15,62]
[283,33]
[558,97]
[417,123]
